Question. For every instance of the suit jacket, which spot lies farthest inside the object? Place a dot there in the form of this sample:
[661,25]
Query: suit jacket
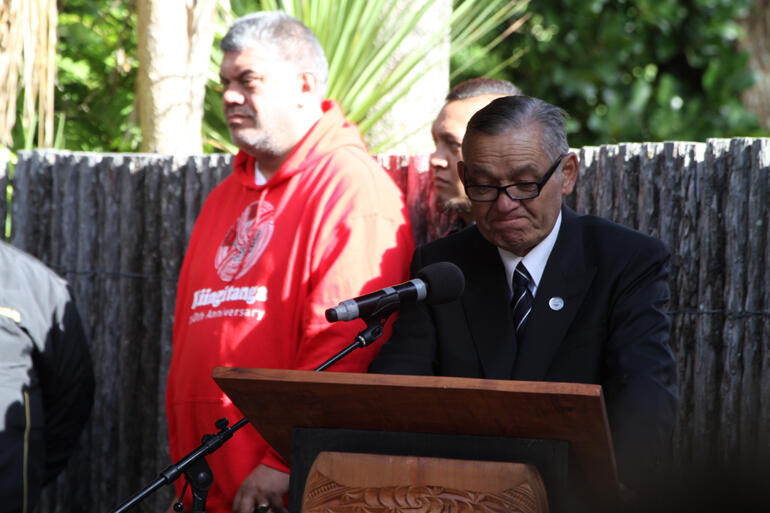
[612,329]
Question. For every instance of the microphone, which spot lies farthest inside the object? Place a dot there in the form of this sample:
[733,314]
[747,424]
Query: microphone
[436,283]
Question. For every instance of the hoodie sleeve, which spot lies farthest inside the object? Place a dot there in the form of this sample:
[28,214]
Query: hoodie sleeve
[364,243]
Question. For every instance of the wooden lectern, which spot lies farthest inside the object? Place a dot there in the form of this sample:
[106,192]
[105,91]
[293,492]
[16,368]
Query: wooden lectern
[560,428]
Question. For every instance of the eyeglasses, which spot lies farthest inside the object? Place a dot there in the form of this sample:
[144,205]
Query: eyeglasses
[516,191]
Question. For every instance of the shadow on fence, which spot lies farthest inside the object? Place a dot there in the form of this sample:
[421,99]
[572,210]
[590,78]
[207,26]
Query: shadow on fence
[116,226]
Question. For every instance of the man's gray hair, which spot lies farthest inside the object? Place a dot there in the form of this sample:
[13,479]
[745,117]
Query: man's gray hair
[474,87]
[289,36]
[513,112]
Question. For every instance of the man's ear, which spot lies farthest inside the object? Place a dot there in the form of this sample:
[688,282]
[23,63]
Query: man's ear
[569,172]
[308,83]
[461,170]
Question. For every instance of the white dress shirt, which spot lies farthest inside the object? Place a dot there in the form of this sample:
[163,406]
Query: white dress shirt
[534,261]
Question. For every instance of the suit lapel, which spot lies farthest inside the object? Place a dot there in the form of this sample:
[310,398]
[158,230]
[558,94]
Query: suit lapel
[567,276]
[486,305]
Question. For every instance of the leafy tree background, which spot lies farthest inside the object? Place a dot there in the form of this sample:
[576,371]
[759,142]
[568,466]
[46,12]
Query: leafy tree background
[625,70]
[97,64]
[634,70]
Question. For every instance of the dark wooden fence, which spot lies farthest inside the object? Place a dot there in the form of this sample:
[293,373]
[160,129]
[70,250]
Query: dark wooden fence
[116,227]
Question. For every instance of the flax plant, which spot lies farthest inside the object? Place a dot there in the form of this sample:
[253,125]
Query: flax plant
[27,67]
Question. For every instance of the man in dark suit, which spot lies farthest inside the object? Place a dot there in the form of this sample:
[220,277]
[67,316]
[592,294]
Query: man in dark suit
[549,295]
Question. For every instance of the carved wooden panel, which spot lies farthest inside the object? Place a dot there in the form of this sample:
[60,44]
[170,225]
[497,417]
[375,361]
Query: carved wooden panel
[366,483]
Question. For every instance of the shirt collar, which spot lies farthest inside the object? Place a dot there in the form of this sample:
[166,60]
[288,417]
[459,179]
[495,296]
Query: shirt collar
[535,260]
[259,178]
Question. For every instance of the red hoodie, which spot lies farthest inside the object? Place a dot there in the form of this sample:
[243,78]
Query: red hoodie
[262,266]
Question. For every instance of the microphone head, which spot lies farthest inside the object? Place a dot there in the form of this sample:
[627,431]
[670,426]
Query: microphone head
[445,282]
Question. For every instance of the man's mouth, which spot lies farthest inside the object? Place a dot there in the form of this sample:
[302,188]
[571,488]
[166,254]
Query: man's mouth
[516,220]
[440,177]
[237,117]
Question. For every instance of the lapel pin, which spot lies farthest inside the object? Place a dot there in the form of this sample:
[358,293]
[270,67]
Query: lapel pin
[556,303]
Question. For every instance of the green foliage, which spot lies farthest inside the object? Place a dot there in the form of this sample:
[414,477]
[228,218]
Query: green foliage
[97,63]
[626,70]
[634,70]
[358,44]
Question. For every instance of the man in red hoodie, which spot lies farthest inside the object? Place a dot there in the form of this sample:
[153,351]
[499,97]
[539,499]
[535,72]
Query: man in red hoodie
[307,219]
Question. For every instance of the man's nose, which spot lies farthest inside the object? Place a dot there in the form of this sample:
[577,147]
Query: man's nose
[231,96]
[504,203]
[437,160]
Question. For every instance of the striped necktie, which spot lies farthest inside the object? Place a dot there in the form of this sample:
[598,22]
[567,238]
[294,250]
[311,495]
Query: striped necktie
[521,303]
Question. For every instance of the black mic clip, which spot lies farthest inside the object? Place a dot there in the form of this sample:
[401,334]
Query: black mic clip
[375,325]
[385,306]
[372,332]
[375,322]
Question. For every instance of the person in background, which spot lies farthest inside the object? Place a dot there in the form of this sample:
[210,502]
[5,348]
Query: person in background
[307,219]
[462,101]
[46,378]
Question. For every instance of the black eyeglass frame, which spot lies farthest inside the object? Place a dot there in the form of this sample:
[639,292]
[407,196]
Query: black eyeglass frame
[504,188]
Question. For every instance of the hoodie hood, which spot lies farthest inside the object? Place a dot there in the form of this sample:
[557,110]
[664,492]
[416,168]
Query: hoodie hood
[331,132]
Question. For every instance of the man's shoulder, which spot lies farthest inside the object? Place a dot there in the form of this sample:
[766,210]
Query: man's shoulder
[606,236]
[358,178]
[28,283]
[22,265]
[223,194]
[456,246]
[462,236]
[353,165]
[354,154]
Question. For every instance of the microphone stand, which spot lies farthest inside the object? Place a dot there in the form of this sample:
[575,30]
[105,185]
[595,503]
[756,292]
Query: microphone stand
[375,324]
[194,466]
